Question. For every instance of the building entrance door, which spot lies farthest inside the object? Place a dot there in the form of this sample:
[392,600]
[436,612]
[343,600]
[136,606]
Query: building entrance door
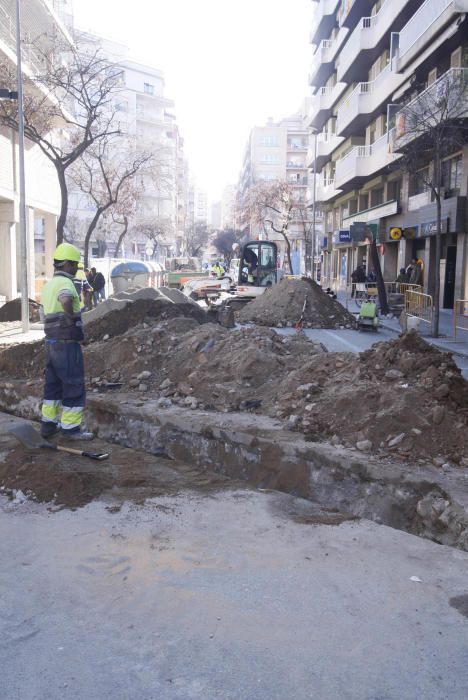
[449,281]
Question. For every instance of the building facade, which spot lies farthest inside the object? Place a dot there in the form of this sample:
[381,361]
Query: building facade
[43,23]
[370,60]
[276,152]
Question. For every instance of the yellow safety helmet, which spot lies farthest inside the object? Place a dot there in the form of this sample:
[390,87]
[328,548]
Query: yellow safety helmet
[67,251]
[80,266]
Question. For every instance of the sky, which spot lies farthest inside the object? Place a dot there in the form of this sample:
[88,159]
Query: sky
[229,65]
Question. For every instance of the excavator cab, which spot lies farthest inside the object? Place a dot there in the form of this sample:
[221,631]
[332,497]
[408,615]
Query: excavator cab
[258,266]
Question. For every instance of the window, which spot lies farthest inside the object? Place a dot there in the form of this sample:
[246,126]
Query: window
[451,175]
[377,197]
[394,190]
[148,88]
[418,180]
[270,158]
[271,141]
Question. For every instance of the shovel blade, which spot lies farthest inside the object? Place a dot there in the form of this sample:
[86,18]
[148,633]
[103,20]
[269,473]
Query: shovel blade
[28,436]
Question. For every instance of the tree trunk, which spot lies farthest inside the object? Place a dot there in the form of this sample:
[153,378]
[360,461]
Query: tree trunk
[89,233]
[380,280]
[63,203]
[121,237]
[288,251]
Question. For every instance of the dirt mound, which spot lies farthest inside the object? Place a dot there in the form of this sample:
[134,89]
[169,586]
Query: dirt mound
[119,321]
[11,311]
[400,397]
[282,305]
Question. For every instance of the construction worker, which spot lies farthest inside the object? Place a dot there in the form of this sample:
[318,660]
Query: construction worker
[64,391]
[82,286]
[217,270]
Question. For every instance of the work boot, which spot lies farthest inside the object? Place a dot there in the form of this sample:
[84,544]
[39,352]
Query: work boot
[77,435]
[48,429]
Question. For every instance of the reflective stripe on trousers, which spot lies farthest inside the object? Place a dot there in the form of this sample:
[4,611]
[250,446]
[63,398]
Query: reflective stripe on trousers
[71,417]
[51,410]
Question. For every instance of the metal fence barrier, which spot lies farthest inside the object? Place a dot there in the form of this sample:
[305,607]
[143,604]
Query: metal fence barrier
[460,316]
[419,305]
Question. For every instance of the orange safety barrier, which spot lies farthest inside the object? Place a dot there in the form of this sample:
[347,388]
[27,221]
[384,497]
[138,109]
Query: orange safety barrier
[419,305]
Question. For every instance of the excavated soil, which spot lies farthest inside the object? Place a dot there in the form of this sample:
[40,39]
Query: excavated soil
[403,398]
[283,305]
[72,482]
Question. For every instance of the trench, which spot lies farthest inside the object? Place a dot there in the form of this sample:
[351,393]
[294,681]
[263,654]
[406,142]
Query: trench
[423,501]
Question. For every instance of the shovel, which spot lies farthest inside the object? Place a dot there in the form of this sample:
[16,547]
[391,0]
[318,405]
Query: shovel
[29,437]
[300,324]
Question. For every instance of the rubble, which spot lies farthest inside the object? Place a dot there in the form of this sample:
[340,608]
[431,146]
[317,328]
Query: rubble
[283,305]
[11,311]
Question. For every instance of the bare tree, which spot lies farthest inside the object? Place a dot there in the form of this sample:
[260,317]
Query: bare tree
[272,204]
[103,174]
[224,241]
[428,129]
[195,239]
[74,91]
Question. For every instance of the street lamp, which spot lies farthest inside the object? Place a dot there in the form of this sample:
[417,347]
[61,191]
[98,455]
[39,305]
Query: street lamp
[22,188]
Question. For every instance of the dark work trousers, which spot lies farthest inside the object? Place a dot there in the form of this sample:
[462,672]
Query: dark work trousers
[64,390]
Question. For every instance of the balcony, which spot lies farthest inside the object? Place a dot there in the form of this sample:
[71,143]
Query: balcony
[322,65]
[364,161]
[326,190]
[323,102]
[365,101]
[353,10]
[424,25]
[294,165]
[40,22]
[446,99]
[368,40]
[326,144]
[324,20]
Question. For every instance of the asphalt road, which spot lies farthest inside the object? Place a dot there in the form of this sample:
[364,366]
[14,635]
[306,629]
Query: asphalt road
[227,596]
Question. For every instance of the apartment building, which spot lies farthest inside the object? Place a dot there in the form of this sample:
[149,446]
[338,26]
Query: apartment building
[142,111]
[228,207]
[42,25]
[370,60]
[278,151]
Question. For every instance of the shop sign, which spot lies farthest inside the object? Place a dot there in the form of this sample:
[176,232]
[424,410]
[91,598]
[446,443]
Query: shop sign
[430,228]
[395,233]
[344,236]
[410,232]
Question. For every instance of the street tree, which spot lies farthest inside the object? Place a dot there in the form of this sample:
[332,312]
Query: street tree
[224,240]
[271,205]
[104,175]
[429,128]
[68,106]
[195,239]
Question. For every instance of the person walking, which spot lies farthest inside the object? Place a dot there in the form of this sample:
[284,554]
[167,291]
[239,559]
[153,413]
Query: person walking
[98,283]
[64,389]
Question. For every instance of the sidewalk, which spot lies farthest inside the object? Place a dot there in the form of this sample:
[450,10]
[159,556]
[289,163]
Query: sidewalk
[446,341]
[11,332]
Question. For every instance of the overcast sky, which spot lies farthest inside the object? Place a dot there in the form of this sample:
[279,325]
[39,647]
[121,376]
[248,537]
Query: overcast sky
[228,64]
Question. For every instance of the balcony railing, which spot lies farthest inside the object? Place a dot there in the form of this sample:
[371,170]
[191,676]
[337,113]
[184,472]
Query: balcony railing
[363,161]
[323,101]
[368,33]
[324,15]
[420,22]
[324,54]
[367,97]
[446,98]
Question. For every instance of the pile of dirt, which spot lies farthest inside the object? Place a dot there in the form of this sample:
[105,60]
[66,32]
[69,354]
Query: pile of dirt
[401,397]
[282,305]
[119,321]
[11,311]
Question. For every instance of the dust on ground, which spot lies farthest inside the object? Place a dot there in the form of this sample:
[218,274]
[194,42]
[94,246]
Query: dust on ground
[283,305]
[72,482]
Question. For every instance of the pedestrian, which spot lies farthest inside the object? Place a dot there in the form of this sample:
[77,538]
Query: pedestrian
[64,389]
[217,270]
[98,283]
[416,273]
[402,277]
[358,276]
[82,286]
